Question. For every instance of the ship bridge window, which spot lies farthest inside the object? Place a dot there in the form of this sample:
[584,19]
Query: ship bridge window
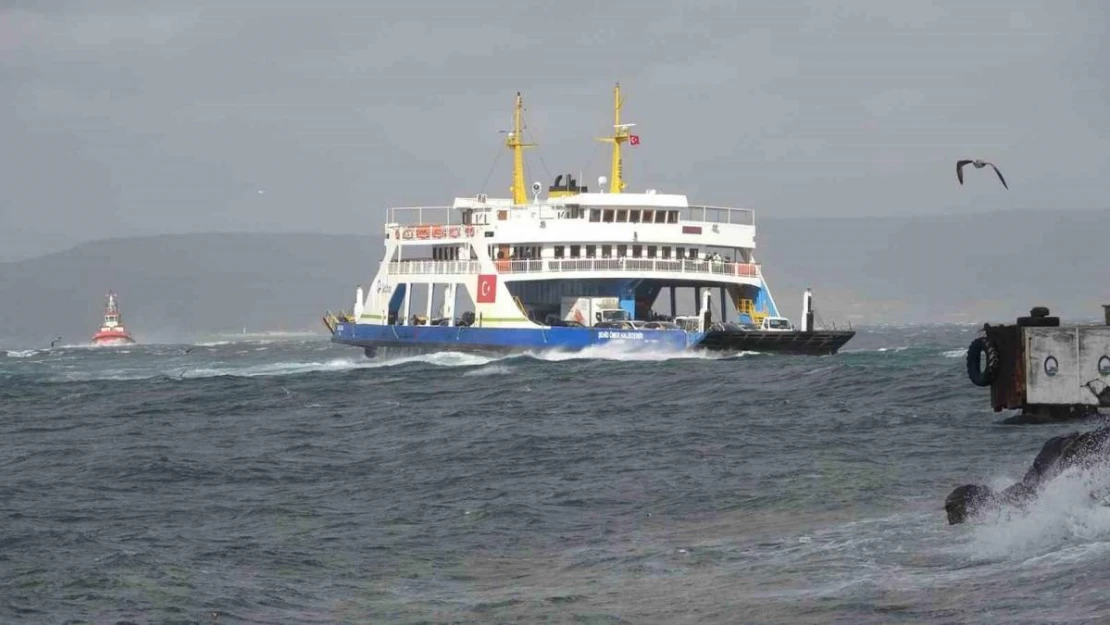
[575,251]
[595,214]
[693,253]
[647,217]
[606,251]
[660,217]
[637,251]
[672,217]
[622,251]
[651,251]
[559,251]
[622,216]
[607,216]
[574,211]
[634,216]
[680,253]
[666,251]
[591,251]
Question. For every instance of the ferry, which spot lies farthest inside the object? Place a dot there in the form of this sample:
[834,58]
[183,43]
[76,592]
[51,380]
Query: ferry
[573,269]
[112,331]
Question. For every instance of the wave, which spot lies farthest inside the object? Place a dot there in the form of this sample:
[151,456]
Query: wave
[633,353]
[1064,514]
[174,364]
[335,365]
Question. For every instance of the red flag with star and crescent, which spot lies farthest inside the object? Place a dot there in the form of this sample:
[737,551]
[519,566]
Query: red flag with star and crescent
[633,139]
[487,289]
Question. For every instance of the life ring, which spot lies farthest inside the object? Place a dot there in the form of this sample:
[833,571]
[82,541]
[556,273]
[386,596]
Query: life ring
[979,347]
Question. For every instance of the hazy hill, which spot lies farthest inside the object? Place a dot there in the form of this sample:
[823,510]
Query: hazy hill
[181,287]
[983,267]
[950,268]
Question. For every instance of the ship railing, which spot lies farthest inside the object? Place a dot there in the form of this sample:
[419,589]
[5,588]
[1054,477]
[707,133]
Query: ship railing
[572,265]
[424,216]
[422,267]
[451,216]
[653,265]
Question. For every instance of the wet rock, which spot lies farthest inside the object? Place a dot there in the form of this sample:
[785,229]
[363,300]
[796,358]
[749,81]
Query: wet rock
[1058,454]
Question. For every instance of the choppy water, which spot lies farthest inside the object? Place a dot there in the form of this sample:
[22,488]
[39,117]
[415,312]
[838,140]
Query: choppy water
[296,482]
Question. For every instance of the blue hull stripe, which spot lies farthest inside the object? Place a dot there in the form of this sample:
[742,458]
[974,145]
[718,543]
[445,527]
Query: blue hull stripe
[563,338]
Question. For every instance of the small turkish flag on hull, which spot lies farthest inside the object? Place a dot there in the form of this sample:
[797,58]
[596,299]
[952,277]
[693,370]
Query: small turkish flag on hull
[487,289]
[634,139]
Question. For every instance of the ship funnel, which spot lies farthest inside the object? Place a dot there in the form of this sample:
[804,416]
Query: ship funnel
[565,185]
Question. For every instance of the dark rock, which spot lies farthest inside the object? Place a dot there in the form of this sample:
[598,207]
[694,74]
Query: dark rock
[1058,454]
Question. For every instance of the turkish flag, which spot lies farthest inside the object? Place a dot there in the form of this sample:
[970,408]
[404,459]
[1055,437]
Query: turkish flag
[634,139]
[487,288]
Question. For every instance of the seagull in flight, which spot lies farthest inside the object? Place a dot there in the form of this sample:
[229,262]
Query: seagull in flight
[979,164]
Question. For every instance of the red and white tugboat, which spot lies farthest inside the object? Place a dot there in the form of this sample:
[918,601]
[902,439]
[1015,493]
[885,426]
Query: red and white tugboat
[112,332]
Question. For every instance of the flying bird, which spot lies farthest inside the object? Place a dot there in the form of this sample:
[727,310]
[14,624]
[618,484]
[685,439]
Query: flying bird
[979,164]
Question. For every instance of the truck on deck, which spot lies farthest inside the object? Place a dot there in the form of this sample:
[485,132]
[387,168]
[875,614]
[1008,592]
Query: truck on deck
[589,311]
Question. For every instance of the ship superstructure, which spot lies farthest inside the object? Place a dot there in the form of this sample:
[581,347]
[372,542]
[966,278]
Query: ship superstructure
[571,268]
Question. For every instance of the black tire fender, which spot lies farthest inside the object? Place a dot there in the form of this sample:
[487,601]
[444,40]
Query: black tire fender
[979,348]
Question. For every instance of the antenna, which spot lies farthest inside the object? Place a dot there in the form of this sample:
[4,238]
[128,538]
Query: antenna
[620,135]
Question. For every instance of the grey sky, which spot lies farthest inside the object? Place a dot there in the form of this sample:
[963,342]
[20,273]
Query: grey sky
[139,118]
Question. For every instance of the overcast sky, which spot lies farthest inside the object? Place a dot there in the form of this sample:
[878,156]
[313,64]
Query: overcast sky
[122,118]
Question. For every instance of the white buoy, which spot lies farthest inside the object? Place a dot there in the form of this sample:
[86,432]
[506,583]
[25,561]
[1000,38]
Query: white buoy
[359,303]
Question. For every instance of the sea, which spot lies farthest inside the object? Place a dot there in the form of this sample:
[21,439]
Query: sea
[290,480]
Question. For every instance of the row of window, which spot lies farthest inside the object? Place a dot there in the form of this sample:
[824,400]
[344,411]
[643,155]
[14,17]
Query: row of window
[633,215]
[534,252]
[638,251]
[443,252]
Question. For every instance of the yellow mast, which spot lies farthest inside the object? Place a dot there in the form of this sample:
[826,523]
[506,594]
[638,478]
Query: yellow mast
[515,143]
[620,135]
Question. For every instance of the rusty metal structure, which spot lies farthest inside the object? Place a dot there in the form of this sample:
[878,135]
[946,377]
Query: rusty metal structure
[1048,371]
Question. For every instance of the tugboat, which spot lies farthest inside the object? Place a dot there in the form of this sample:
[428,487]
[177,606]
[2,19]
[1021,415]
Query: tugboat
[112,332]
[571,270]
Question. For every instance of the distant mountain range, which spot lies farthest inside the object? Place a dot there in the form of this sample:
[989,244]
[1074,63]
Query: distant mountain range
[944,269]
